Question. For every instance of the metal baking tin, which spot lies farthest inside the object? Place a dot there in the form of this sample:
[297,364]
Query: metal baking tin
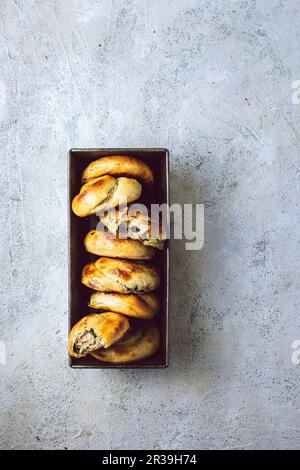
[158,160]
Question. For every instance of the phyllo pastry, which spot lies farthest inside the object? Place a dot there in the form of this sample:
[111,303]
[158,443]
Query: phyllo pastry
[134,305]
[105,193]
[96,331]
[104,243]
[118,275]
[135,346]
[135,225]
[121,166]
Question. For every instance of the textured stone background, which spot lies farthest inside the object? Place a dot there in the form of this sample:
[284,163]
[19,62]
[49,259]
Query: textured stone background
[211,81]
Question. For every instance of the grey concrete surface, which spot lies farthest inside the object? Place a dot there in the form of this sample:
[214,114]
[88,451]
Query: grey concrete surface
[211,81]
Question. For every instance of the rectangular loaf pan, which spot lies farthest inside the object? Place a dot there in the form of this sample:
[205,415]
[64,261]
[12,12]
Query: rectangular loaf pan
[158,160]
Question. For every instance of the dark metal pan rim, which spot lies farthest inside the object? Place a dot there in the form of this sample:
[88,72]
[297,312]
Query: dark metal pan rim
[158,159]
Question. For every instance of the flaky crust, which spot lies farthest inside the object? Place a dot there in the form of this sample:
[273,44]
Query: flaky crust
[103,243]
[109,326]
[126,191]
[104,193]
[134,305]
[119,165]
[124,277]
[92,194]
[135,347]
[135,225]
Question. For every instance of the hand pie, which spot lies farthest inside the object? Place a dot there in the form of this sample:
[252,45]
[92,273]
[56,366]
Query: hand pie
[121,166]
[103,243]
[116,275]
[134,346]
[135,225]
[134,305]
[105,193]
[96,331]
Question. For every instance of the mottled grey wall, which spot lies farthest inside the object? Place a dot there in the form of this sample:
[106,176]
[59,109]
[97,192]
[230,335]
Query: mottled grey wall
[211,81]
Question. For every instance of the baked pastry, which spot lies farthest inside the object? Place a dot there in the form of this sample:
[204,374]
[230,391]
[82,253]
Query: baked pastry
[134,305]
[104,193]
[104,243]
[116,275]
[96,331]
[135,225]
[121,166]
[134,346]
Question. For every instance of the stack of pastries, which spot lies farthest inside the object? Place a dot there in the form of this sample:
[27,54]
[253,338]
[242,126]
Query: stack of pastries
[123,278]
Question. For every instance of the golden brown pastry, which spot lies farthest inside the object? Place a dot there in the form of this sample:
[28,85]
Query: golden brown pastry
[103,243]
[135,225]
[121,166]
[134,305]
[116,275]
[96,331]
[104,193]
[134,346]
